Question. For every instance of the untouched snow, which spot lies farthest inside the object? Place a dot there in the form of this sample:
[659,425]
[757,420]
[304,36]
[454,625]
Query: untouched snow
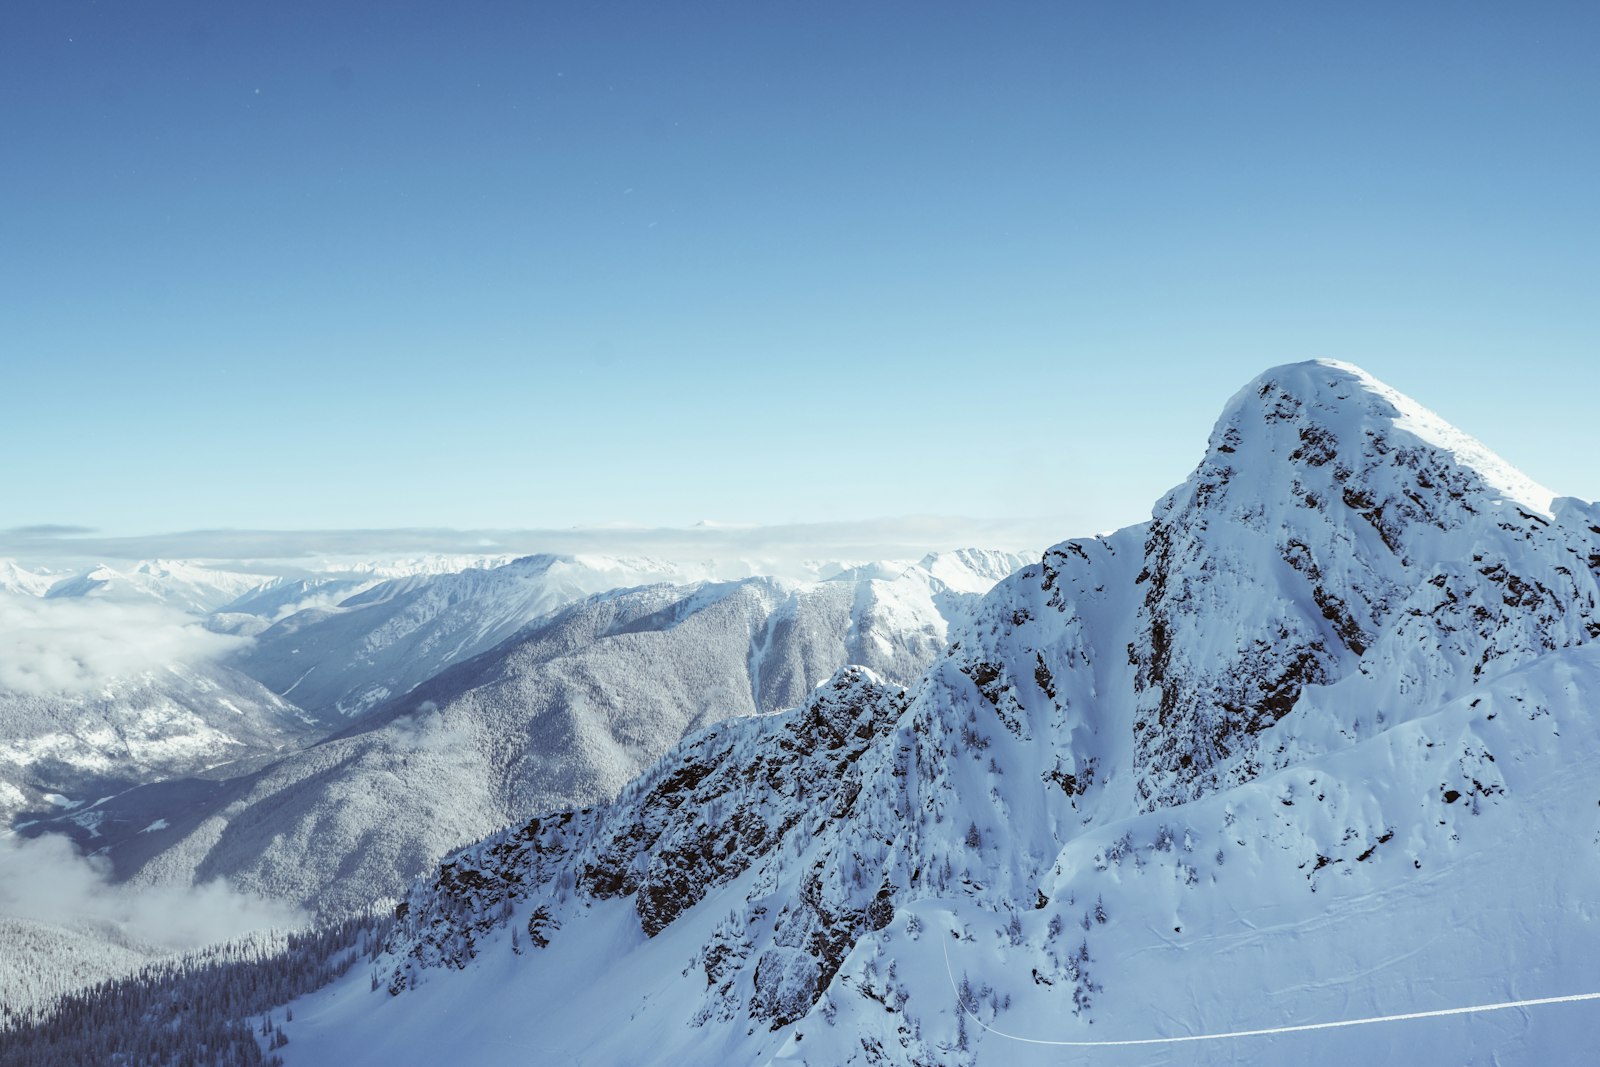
[14,578]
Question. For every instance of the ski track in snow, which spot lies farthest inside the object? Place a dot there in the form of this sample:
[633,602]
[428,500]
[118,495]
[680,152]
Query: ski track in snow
[1473,1009]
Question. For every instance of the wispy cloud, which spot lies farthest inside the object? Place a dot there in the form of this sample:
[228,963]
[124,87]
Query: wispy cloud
[426,730]
[74,645]
[45,880]
[888,538]
[46,531]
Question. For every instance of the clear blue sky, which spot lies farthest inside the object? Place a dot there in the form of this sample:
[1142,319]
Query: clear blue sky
[300,265]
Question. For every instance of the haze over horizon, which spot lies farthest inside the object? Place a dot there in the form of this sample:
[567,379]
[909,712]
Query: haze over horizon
[778,549]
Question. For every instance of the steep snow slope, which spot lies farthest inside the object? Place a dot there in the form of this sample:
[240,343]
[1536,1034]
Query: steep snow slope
[1336,527]
[279,598]
[564,714]
[1313,744]
[282,597]
[331,582]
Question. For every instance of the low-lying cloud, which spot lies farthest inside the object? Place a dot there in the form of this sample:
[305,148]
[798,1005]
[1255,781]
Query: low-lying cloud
[45,880]
[427,730]
[75,645]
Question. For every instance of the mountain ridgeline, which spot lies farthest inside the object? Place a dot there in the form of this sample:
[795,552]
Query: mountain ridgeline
[564,712]
[1312,744]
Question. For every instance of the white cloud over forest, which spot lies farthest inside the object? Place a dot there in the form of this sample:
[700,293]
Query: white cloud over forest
[45,880]
[73,645]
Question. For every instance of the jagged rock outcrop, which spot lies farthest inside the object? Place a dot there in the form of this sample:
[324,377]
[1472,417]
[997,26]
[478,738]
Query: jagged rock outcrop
[720,803]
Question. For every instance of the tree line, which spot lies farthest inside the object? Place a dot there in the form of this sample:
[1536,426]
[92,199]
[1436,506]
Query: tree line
[217,1007]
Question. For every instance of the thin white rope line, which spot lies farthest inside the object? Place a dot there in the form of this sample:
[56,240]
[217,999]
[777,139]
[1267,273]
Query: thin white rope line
[1298,1028]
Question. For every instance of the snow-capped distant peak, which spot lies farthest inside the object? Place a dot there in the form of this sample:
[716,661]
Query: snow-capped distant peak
[187,586]
[18,579]
[973,570]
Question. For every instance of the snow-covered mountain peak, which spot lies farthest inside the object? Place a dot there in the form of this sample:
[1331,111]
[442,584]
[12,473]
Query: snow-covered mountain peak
[1334,527]
[17,579]
[1323,411]
[20,579]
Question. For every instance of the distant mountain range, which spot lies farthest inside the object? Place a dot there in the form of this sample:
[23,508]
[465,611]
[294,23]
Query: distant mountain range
[340,656]
[365,725]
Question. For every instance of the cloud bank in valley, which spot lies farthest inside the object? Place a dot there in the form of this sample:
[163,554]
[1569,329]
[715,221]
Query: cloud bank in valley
[45,880]
[76,645]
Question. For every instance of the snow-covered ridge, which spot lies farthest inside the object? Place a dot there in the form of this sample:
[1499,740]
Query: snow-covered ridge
[188,586]
[15,578]
[200,588]
[742,786]
[1308,745]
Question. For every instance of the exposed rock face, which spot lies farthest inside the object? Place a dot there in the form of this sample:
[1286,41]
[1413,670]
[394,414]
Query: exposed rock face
[720,803]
